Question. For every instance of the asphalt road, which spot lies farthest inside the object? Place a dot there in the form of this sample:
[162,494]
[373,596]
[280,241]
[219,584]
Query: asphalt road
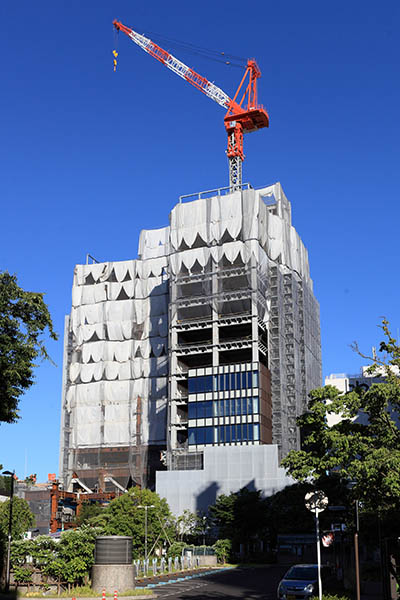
[258,583]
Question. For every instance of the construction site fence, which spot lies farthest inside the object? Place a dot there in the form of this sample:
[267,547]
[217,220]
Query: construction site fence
[159,566]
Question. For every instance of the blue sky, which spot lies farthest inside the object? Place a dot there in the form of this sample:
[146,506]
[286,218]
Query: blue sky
[90,157]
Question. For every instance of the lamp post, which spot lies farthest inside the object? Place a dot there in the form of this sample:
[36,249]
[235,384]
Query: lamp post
[146,507]
[9,528]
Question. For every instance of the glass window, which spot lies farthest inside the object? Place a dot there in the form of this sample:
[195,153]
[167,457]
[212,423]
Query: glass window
[192,410]
[221,437]
[244,432]
[233,381]
[215,409]
[227,382]
[233,433]
[238,381]
[209,435]
[227,433]
[249,406]
[200,384]
[244,380]
[192,385]
[249,379]
[200,435]
[192,439]
[221,383]
[208,406]
[250,431]
[255,405]
[215,429]
[256,434]
[208,383]
[215,383]
[255,379]
[227,408]
[201,410]
[238,406]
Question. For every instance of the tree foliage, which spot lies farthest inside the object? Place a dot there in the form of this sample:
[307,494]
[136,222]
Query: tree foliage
[68,559]
[240,516]
[24,317]
[363,446]
[124,517]
[22,518]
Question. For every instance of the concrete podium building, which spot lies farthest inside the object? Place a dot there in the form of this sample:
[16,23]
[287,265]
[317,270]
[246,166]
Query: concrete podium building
[186,368]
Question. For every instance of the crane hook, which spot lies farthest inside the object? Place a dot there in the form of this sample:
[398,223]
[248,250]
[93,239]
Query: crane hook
[115,54]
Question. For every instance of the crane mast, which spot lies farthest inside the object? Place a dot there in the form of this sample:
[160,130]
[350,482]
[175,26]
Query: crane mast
[243,116]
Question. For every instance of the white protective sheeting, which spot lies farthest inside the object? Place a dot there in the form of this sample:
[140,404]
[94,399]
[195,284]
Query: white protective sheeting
[119,327]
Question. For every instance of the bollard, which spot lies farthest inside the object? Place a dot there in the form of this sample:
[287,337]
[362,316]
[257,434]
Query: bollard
[103,596]
[115,595]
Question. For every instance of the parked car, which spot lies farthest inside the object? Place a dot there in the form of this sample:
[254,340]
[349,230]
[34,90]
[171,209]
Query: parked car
[301,582]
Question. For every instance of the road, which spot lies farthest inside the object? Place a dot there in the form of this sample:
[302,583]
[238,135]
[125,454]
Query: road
[250,583]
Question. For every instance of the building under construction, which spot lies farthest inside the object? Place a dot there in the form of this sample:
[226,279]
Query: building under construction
[196,358]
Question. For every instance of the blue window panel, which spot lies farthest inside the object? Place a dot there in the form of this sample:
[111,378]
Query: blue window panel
[227,433]
[227,382]
[192,385]
[201,410]
[256,408]
[215,383]
[208,383]
[227,408]
[192,413]
[192,437]
[244,432]
[249,406]
[215,409]
[233,433]
[244,380]
[255,379]
[209,435]
[238,381]
[238,406]
[233,381]
[221,434]
[256,431]
[250,431]
[215,435]
[249,379]
[200,435]
[221,383]
[208,407]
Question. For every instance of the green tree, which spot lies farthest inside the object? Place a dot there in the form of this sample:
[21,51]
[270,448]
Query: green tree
[123,517]
[88,512]
[22,518]
[364,445]
[24,318]
[240,516]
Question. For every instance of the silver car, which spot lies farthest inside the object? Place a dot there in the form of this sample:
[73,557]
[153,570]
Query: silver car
[300,582]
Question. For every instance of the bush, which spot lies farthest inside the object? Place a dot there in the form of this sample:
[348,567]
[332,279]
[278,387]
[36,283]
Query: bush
[223,549]
[176,549]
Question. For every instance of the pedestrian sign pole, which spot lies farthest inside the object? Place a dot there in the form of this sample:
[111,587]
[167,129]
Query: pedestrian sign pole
[316,502]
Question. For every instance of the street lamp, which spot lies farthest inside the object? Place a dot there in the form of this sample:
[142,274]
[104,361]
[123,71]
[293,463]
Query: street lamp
[9,528]
[146,507]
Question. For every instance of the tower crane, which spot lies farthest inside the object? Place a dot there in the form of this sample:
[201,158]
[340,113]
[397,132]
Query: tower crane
[244,114]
